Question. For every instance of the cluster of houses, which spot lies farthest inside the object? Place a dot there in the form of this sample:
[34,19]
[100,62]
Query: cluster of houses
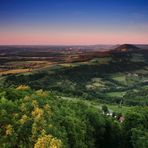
[108,112]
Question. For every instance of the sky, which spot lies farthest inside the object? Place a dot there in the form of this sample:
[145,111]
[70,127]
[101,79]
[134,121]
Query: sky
[73,22]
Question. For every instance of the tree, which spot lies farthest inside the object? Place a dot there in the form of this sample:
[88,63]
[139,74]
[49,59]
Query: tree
[105,109]
[139,138]
[48,141]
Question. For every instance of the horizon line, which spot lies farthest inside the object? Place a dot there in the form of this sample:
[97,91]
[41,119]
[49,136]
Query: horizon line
[70,44]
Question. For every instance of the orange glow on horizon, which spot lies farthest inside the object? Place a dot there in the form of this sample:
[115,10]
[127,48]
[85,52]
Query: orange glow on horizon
[70,38]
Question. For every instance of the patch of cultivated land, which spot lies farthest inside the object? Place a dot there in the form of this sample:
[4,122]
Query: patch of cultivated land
[115,94]
[15,71]
[23,66]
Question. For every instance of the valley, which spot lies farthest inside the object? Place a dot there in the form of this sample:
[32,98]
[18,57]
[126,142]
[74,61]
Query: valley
[73,97]
[110,76]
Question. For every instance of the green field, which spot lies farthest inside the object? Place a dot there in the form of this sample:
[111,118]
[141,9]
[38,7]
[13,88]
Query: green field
[115,94]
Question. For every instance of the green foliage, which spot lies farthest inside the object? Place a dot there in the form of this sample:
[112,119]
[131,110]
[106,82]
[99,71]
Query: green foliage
[40,119]
[105,109]
[135,128]
[139,138]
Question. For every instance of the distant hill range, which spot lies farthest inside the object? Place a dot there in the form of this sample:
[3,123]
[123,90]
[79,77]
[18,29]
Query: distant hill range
[68,53]
[126,48]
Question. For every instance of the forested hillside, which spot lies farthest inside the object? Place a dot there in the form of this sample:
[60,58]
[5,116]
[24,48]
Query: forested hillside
[40,119]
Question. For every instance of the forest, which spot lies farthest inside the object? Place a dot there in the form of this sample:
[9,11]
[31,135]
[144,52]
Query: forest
[40,119]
